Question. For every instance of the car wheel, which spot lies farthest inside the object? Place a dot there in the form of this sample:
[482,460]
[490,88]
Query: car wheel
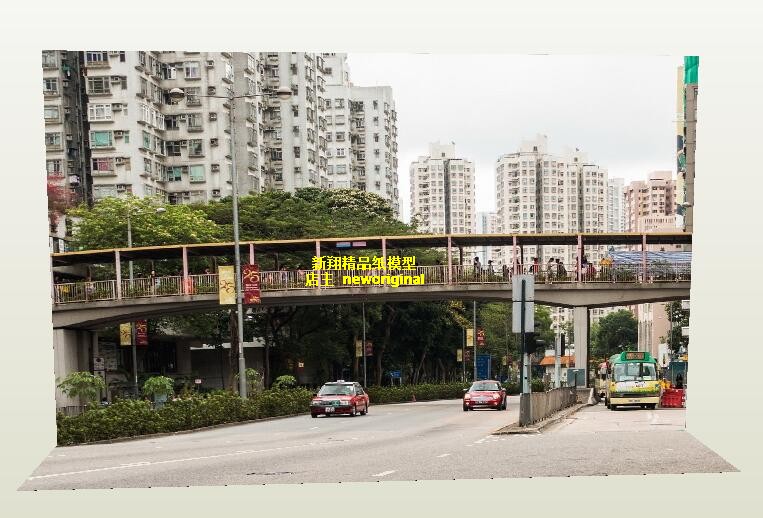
[606,402]
[364,411]
[313,415]
[613,407]
[354,412]
[653,406]
[466,408]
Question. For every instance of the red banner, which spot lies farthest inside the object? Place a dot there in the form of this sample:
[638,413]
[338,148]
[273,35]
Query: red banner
[369,348]
[251,284]
[467,355]
[480,337]
[141,333]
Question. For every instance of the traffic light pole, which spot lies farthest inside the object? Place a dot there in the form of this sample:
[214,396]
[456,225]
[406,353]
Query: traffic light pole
[557,362]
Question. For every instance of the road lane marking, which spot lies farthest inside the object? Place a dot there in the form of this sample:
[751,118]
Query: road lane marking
[384,473]
[443,455]
[314,428]
[174,461]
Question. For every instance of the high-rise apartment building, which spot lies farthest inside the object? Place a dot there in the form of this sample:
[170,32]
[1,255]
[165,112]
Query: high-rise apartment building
[442,192]
[539,192]
[686,109]
[615,209]
[361,133]
[487,223]
[649,205]
[135,139]
[65,156]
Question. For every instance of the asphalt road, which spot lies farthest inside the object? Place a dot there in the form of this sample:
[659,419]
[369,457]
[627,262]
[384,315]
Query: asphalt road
[414,441]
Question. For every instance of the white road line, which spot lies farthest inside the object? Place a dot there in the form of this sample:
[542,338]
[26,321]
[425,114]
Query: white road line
[384,473]
[173,461]
[314,428]
[443,455]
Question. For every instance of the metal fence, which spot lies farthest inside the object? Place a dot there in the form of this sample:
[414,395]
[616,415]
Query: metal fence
[550,273]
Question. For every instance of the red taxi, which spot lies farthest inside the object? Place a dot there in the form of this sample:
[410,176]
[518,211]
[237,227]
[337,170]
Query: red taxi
[340,397]
[485,394]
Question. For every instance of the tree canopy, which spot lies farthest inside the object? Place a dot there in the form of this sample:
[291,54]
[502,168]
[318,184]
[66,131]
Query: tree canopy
[615,333]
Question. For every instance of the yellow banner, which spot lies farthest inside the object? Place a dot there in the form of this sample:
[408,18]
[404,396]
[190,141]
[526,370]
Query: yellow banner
[503,360]
[470,337]
[125,334]
[358,348]
[459,355]
[227,284]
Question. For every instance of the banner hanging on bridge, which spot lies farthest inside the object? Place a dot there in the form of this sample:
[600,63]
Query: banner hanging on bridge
[141,333]
[125,334]
[227,284]
[251,278]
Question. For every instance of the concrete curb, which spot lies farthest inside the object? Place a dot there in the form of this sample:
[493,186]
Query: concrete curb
[515,429]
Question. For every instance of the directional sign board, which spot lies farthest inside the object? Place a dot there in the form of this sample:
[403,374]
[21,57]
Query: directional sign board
[516,297]
[516,317]
[516,288]
[395,374]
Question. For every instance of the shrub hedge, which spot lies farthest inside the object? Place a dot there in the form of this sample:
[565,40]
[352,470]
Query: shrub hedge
[129,418]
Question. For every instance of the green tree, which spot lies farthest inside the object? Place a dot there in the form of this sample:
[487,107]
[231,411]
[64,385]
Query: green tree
[158,386]
[617,332]
[84,385]
[105,224]
[678,318]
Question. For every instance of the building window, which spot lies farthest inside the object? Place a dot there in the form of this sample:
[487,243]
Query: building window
[296,152]
[173,148]
[174,173]
[196,173]
[49,59]
[50,86]
[102,164]
[194,121]
[171,122]
[53,140]
[147,165]
[96,57]
[340,151]
[339,120]
[98,85]
[99,112]
[340,136]
[341,169]
[192,96]
[54,167]
[52,114]
[192,70]
[195,147]
[101,139]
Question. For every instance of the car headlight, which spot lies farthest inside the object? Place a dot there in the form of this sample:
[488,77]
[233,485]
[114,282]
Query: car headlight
[467,396]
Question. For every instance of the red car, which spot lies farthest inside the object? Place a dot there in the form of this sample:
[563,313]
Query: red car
[340,397]
[485,394]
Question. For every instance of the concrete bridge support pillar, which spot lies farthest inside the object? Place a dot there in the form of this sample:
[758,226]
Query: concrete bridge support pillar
[72,350]
[581,330]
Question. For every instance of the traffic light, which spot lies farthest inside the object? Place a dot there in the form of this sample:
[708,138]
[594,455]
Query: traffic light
[561,344]
[532,342]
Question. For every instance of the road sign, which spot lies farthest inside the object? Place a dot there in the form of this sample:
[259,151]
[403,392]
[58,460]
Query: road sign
[483,366]
[395,374]
[516,288]
[684,304]
[197,381]
[480,337]
[516,317]
[685,331]
[99,364]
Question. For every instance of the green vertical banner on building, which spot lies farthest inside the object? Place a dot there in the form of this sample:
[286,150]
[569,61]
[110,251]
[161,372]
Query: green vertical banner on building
[691,70]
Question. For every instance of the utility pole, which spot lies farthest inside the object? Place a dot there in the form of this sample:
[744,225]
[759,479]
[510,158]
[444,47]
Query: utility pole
[474,337]
[365,381]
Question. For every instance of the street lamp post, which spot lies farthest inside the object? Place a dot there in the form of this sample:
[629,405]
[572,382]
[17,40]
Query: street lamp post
[158,210]
[283,93]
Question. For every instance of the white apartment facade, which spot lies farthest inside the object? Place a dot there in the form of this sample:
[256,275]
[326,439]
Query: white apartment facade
[540,192]
[615,207]
[136,140]
[487,223]
[443,192]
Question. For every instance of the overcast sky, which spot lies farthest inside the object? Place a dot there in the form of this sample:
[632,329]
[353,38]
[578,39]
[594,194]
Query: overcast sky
[620,110]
